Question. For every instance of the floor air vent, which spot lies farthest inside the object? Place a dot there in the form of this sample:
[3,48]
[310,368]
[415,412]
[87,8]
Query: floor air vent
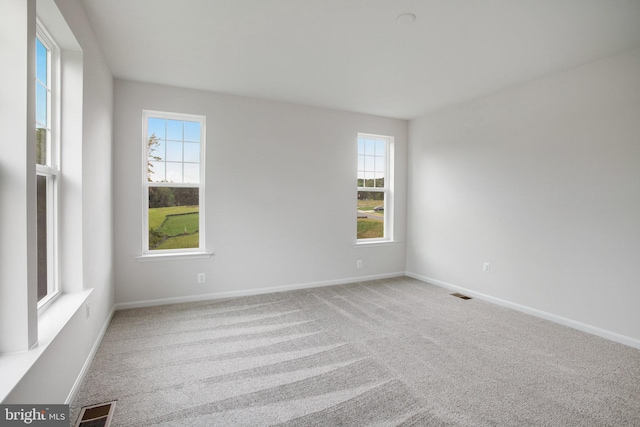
[461,296]
[96,415]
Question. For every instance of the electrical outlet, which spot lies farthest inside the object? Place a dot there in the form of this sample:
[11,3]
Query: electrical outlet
[486,267]
[359,263]
[201,278]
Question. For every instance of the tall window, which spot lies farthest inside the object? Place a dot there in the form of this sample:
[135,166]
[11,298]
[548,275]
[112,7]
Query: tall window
[374,207]
[47,165]
[174,182]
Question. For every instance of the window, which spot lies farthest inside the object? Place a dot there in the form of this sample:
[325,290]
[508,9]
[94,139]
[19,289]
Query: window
[173,182]
[374,188]
[47,165]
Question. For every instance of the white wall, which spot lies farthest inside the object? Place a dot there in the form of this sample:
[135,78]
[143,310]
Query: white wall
[543,182]
[55,364]
[18,324]
[280,195]
[97,165]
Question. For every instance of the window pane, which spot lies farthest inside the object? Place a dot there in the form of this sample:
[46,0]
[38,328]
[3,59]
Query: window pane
[369,147]
[372,164]
[369,179]
[172,159]
[369,164]
[192,131]
[192,152]
[41,104]
[157,127]
[370,215]
[380,164]
[41,62]
[174,151]
[41,146]
[42,242]
[174,129]
[174,219]
[191,173]
[155,156]
[156,149]
[156,172]
[174,172]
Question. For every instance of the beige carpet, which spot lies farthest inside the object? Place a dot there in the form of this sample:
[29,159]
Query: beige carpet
[380,353]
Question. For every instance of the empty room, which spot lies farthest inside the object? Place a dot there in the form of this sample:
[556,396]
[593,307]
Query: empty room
[320,212]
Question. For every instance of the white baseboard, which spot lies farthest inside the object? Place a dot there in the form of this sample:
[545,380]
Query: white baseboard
[613,336]
[87,363]
[249,292]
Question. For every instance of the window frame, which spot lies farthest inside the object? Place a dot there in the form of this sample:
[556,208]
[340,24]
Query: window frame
[160,253]
[51,170]
[387,190]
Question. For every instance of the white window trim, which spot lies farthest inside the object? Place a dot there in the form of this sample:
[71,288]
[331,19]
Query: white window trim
[52,170]
[387,190]
[167,254]
[173,256]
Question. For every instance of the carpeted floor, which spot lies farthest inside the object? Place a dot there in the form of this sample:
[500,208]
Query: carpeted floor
[381,353]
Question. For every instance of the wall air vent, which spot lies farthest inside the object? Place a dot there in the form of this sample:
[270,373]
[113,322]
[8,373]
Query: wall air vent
[460,296]
[96,415]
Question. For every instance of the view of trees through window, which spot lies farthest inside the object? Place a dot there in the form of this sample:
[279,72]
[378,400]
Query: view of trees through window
[173,183]
[372,169]
[173,218]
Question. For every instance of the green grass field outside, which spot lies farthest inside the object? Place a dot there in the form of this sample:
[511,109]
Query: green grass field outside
[158,215]
[370,228]
[180,242]
[174,227]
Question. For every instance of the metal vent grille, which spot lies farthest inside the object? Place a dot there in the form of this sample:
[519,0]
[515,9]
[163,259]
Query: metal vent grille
[461,296]
[97,415]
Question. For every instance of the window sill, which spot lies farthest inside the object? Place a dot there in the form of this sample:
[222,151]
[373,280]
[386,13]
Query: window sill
[361,244]
[173,256]
[51,322]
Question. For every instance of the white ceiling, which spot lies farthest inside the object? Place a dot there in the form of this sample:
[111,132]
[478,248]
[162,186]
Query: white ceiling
[352,54]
